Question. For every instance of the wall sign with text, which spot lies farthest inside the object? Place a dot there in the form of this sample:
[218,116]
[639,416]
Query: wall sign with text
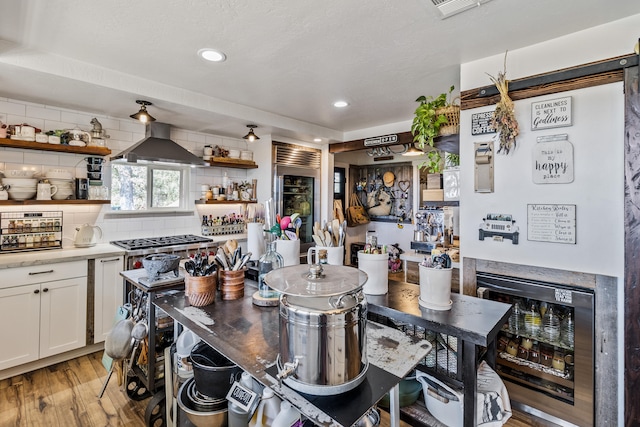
[551,223]
[553,113]
[481,123]
[553,160]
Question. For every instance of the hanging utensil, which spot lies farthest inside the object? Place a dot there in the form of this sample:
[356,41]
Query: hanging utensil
[138,333]
[117,345]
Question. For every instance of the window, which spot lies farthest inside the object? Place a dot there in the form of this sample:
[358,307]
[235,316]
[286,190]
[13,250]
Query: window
[136,187]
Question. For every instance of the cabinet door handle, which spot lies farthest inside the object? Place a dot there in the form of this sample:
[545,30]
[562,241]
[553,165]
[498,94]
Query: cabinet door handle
[45,290]
[33,273]
[37,291]
[109,260]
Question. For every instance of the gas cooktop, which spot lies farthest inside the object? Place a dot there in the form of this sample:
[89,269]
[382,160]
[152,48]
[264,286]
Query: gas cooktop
[159,242]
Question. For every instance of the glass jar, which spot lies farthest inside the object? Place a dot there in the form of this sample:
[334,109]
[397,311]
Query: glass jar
[567,329]
[516,320]
[270,260]
[551,324]
[532,319]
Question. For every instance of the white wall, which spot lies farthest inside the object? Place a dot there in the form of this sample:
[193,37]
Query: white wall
[123,132]
[597,191]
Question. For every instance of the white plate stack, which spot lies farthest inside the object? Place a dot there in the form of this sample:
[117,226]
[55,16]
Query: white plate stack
[21,188]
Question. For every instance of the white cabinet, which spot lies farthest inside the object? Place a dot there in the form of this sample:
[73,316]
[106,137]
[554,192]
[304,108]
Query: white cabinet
[43,311]
[109,294]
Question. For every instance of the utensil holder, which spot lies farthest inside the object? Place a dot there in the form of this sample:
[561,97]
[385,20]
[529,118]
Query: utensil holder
[376,267]
[435,288]
[231,284]
[200,290]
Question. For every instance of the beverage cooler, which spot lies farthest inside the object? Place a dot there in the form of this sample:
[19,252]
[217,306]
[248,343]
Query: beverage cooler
[546,350]
[297,193]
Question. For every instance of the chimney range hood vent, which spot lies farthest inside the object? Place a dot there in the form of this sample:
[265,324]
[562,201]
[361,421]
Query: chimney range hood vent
[452,7]
[158,147]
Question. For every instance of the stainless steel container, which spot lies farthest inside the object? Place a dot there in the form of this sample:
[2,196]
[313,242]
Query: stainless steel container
[323,319]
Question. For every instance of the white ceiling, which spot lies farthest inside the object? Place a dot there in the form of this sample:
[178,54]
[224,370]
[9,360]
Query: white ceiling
[287,60]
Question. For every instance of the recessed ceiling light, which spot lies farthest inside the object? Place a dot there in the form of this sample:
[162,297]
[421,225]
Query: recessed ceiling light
[317,139]
[212,55]
[340,104]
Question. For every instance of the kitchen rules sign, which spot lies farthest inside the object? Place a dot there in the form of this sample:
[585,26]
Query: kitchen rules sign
[553,160]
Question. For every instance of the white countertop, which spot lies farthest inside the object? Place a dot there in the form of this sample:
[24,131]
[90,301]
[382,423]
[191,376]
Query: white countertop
[50,256]
[23,259]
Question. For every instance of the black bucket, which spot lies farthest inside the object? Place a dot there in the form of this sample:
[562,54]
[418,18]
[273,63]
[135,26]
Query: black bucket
[213,373]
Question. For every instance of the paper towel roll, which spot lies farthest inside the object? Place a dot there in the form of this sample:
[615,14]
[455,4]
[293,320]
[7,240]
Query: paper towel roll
[255,240]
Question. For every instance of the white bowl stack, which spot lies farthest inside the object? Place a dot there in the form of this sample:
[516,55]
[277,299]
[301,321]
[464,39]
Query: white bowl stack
[21,188]
[63,180]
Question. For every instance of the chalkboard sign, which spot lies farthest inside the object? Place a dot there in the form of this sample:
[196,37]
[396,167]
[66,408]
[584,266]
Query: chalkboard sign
[241,397]
[481,123]
[551,223]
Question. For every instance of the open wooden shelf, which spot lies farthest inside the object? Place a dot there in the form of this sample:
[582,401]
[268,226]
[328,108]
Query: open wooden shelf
[224,202]
[31,145]
[226,162]
[53,202]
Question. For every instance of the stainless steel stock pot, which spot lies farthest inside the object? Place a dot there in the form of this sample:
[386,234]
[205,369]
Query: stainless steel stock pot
[323,322]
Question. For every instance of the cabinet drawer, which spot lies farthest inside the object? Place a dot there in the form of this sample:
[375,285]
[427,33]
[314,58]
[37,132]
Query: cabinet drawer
[42,273]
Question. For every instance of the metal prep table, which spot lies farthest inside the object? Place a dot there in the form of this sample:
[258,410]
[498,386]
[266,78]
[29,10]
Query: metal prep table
[474,321]
[248,335]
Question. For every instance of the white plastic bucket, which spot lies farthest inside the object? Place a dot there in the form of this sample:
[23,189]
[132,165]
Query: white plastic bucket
[376,267]
[435,288]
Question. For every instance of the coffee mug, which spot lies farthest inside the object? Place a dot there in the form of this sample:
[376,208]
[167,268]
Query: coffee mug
[45,191]
[332,255]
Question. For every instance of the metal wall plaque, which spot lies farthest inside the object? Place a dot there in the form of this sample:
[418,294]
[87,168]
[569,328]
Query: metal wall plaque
[381,140]
[553,113]
[553,160]
[481,123]
[551,223]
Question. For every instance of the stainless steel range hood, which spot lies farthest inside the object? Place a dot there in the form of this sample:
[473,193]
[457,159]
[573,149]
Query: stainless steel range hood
[157,147]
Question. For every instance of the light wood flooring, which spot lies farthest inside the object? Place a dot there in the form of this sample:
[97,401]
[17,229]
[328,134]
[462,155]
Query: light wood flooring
[66,395]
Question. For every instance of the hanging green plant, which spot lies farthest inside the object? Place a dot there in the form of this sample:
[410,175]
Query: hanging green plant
[504,120]
[434,162]
[427,121]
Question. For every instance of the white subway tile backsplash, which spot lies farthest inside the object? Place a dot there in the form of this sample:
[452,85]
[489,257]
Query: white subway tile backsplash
[10,155]
[43,113]
[12,108]
[82,120]
[133,126]
[40,158]
[123,136]
[197,138]
[213,140]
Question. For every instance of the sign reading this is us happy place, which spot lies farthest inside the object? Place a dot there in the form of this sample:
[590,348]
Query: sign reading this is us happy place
[553,113]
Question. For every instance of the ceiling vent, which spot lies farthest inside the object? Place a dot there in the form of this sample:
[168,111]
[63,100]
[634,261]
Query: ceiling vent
[451,7]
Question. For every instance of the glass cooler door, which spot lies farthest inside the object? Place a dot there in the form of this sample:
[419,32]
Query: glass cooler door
[545,351]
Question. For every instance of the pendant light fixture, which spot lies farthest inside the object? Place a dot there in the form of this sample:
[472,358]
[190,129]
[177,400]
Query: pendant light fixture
[251,136]
[413,151]
[143,115]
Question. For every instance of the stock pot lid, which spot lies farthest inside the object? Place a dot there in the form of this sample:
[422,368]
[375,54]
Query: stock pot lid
[306,280]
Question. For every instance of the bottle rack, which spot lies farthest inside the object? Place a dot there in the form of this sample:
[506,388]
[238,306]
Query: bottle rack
[30,231]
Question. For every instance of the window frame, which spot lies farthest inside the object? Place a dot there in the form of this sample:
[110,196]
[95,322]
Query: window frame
[185,173]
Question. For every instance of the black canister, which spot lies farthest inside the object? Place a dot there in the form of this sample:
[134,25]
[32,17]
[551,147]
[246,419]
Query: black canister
[82,188]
